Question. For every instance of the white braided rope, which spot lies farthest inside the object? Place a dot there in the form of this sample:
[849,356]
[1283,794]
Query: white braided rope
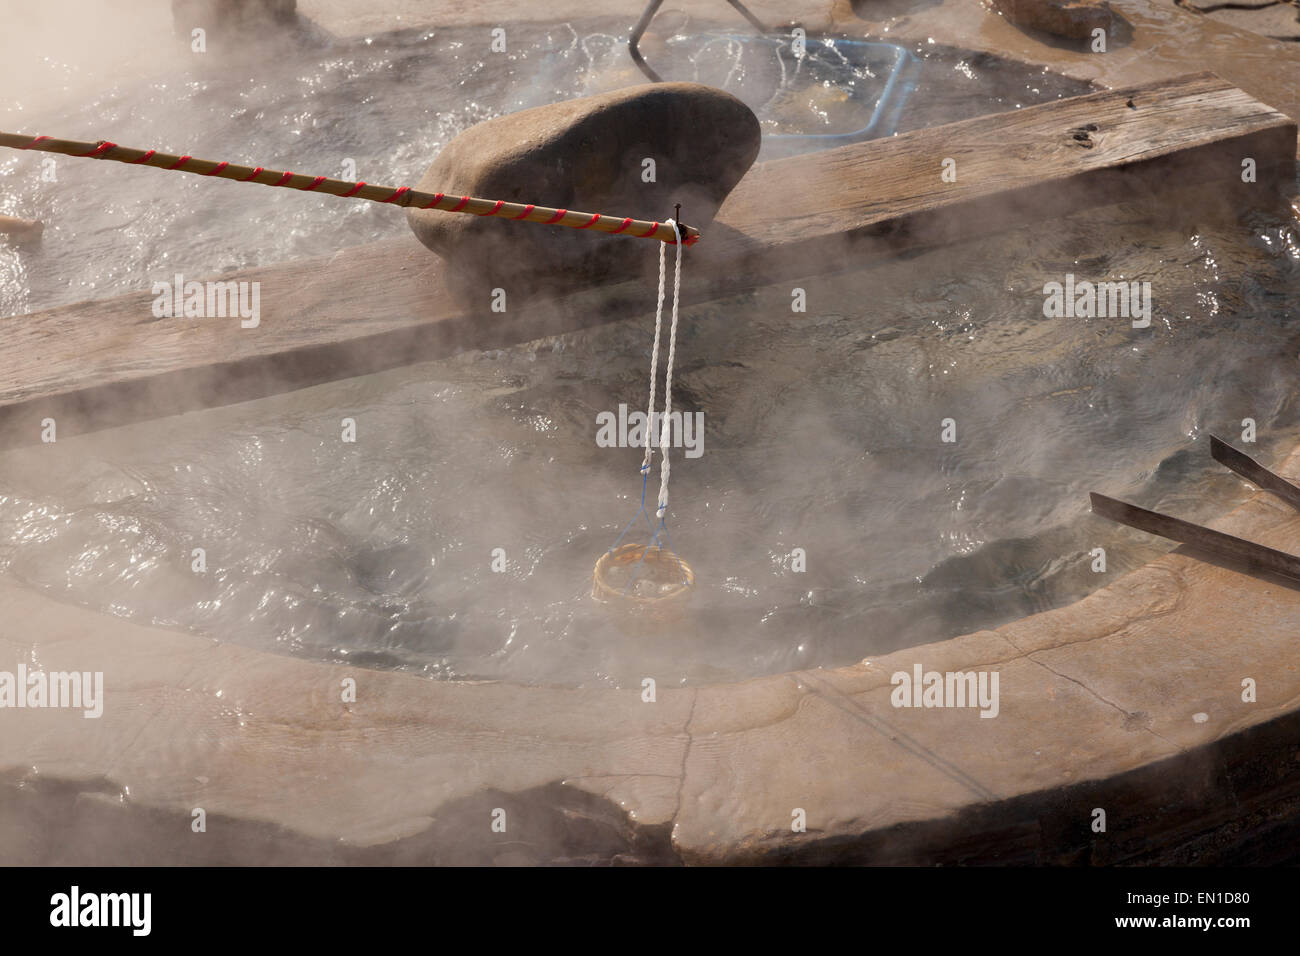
[654,363]
[665,425]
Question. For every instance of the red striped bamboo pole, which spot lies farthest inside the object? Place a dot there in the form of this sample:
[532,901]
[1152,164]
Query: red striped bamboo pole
[400,196]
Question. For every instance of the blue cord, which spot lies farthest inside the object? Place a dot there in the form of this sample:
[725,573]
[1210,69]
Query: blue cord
[645,477]
[654,540]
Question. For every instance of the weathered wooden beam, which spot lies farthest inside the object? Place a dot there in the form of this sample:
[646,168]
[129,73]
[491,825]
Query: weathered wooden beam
[1256,557]
[98,364]
[1031,164]
[1254,472]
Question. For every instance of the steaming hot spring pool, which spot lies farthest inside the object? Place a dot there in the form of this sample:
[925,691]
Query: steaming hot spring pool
[822,429]
[822,432]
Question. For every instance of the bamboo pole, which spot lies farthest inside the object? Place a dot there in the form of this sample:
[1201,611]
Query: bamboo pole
[401,196]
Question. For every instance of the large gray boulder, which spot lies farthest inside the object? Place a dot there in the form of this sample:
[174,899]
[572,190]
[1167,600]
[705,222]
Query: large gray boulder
[589,155]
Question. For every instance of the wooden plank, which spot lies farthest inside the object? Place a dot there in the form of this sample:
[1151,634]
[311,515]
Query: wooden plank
[1034,163]
[97,364]
[1254,472]
[1254,556]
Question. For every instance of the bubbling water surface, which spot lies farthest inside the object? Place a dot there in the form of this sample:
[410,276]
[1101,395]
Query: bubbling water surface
[379,110]
[826,521]
[456,536]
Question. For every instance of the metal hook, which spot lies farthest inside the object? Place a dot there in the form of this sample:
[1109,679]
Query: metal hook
[643,24]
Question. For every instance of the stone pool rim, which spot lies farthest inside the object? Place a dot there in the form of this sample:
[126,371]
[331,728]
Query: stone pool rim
[1126,699]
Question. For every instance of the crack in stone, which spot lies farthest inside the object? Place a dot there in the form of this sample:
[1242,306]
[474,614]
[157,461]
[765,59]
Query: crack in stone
[783,716]
[1117,707]
[904,741]
[1027,655]
[1180,587]
[686,751]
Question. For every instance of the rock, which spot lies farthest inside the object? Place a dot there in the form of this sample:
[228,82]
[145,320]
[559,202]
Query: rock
[589,155]
[1277,21]
[1073,19]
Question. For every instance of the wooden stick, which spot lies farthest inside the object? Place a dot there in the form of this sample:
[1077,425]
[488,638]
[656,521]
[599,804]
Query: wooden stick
[400,196]
[1207,539]
[385,305]
[1254,472]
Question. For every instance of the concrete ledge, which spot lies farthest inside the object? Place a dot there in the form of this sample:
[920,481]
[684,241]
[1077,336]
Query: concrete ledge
[1099,708]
